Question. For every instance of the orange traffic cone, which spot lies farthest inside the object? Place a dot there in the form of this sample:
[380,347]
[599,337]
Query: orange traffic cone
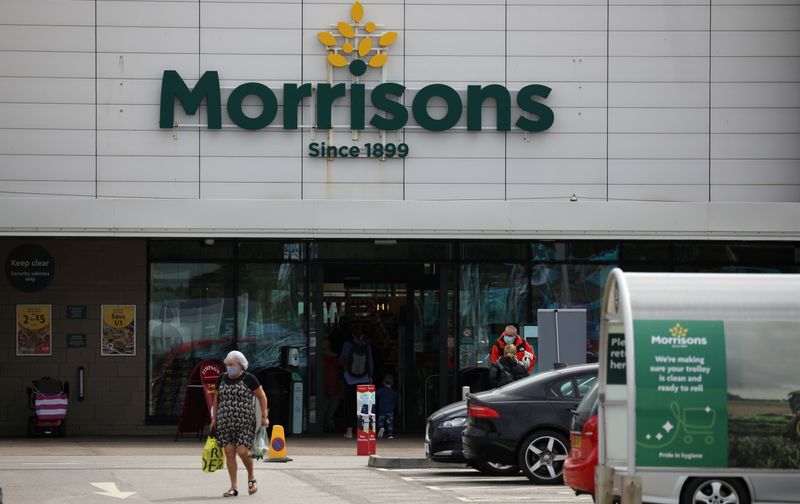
[277,446]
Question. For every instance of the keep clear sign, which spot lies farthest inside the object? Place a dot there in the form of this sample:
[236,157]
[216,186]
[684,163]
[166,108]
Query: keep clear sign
[681,393]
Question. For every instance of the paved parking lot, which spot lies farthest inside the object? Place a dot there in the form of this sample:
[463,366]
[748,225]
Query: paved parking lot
[324,471]
[467,485]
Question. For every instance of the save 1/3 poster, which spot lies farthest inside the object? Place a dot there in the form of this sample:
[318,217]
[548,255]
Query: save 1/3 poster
[118,336]
[34,330]
[681,393]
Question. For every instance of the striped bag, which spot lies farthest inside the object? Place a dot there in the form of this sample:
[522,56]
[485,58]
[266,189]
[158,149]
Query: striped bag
[50,406]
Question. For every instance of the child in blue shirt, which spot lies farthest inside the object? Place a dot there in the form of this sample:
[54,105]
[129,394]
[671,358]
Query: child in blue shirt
[387,404]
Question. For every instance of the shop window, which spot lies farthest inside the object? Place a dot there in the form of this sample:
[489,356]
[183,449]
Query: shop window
[191,319]
[572,286]
[490,296]
[271,313]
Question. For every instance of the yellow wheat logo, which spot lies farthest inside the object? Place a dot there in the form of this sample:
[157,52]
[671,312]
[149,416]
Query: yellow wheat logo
[362,44]
[677,331]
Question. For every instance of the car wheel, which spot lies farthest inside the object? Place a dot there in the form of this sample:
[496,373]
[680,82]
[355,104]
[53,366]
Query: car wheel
[495,469]
[542,457]
[715,491]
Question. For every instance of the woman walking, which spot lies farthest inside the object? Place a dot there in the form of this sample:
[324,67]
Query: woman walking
[234,417]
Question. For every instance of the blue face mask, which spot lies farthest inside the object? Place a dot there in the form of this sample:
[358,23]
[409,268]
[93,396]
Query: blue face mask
[233,371]
[509,339]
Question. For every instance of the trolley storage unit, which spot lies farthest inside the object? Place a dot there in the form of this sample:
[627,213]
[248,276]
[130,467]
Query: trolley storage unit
[697,376]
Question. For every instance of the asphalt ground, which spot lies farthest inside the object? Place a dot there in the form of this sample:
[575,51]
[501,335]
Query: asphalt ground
[324,470]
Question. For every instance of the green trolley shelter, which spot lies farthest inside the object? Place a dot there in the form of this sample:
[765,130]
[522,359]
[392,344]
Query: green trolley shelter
[698,373]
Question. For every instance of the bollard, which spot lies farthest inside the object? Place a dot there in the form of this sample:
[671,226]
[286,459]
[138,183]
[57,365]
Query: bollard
[631,490]
[604,484]
[464,392]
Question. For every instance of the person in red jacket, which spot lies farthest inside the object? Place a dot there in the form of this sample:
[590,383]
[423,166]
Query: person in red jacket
[510,336]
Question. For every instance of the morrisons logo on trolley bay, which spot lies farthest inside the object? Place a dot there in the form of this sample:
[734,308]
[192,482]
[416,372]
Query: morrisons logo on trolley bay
[359,47]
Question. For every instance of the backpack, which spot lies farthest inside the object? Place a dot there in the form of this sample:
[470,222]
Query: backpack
[357,360]
[504,376]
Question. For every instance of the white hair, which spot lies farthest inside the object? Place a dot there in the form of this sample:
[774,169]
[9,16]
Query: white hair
[238,357]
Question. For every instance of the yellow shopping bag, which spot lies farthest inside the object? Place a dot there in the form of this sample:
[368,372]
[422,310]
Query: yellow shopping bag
[212,455]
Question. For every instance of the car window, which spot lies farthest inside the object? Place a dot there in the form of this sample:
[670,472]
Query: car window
[563,388]
[585,384]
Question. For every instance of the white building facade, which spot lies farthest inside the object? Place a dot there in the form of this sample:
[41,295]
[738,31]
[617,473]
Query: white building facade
[674,122]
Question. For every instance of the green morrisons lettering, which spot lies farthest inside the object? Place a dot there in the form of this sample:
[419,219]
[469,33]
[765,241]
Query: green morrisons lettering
[386,97]
[172,87]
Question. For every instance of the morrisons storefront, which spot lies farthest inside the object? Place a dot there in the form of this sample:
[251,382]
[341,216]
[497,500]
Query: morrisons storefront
[183,178]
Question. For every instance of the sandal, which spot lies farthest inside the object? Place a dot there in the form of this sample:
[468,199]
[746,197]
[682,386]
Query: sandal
[231,493]
[252,486]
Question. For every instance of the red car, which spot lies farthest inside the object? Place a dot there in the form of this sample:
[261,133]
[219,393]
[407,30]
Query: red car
[582,458]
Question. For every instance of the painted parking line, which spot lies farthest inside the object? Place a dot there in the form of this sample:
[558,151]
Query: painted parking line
[470,486]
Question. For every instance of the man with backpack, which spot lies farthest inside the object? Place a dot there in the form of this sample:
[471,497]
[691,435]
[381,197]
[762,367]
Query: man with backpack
[507,368]
[356,360]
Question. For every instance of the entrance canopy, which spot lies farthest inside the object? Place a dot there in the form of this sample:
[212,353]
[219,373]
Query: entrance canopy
[687,359]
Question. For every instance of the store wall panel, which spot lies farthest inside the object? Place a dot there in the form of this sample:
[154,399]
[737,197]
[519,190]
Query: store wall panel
[148,190]
[659,43]
[352,171]
[461,192]
[145,66]
[49,116]
[658,120]
[47,13]
[46,189]
[50,90]
[253,41]
[556,192]
[46,38]
[755,171]
[749,193]
[756,17]
[164,14]
[557,43]
[346,191]
[47,141]
[444,171]
[752,94]
[659,17]
[766,146]
[249,169]
[756,43]
[250,190]
[556,171]
[659,95]
[558,146]
[556,17]
[659,69]
[755,120]
[233,142]
[147,169]
[148,40]
[46,64]
[153,143]
[665,192]
[43,167]
[245,15]
[657,171]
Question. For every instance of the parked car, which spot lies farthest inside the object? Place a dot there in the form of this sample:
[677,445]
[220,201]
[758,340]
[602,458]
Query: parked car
[526,423]
[443,441]
[582,458]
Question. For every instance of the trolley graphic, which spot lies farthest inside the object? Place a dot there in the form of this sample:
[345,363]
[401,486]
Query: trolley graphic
[691,421]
